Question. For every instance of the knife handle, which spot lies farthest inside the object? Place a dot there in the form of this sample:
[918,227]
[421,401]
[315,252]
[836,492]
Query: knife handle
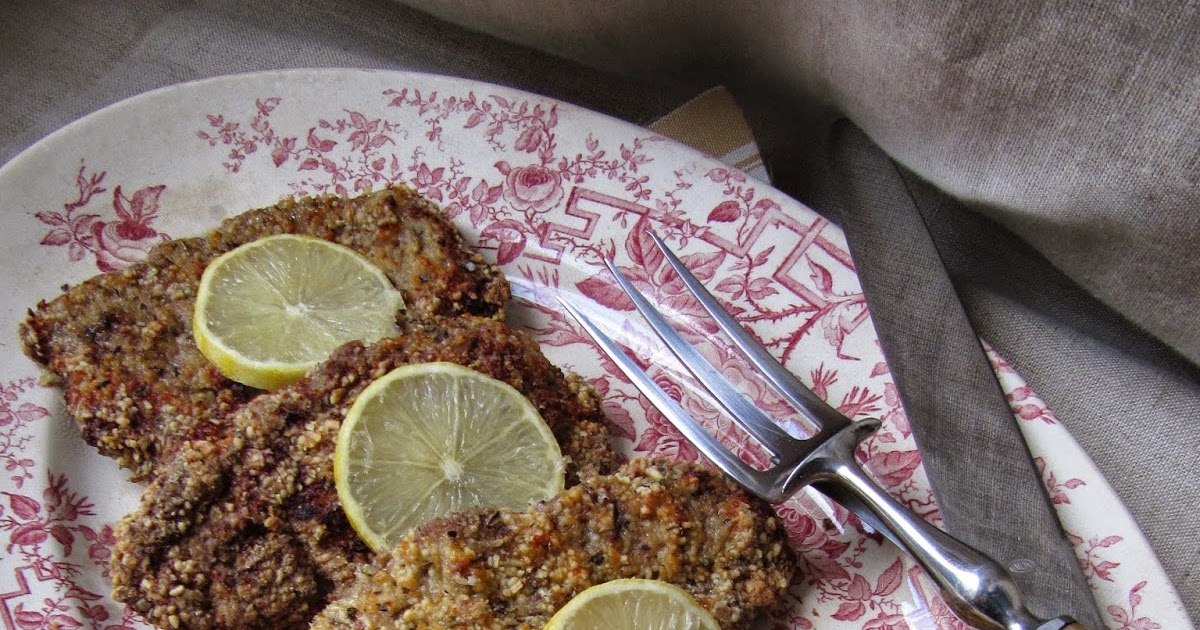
[976,587]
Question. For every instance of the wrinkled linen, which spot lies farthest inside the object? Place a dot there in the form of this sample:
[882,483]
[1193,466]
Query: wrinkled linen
[1053,147]
[1056,151]
[1075,126]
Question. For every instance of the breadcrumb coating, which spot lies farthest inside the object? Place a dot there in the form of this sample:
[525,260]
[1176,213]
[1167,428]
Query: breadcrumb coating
[506,569]
[247,531]
[121,343]
[239,525]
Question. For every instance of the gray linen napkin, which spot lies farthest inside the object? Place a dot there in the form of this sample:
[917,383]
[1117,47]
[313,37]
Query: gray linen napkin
[1058,146]
[1128,151]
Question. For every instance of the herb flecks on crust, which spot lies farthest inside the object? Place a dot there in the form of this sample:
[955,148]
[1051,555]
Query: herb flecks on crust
[505,569]
[247,531]
[121,343]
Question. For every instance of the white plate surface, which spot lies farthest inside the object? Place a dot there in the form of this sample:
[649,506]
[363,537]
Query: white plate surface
[547,189]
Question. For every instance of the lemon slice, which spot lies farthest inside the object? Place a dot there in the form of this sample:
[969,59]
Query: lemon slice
[633,604]
[272,308]
[428,439]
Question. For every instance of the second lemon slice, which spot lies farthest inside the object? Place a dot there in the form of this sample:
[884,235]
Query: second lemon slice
[429,439]
[633,604]
[269,310]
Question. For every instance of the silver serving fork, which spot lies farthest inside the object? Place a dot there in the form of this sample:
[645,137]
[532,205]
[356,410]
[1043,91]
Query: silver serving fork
[976,587]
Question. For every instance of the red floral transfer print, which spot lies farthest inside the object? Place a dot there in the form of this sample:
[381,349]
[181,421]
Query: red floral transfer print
[1127,618]
[532,188]
[361,165]
[534,195]
[16,418]
[353,153]
[114,239]
[48,534]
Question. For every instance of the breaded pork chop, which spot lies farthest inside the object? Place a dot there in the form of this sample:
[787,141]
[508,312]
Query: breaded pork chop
[506,569]
[247,531]
[121,343]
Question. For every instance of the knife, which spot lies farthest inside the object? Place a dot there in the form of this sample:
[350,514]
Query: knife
[988,490]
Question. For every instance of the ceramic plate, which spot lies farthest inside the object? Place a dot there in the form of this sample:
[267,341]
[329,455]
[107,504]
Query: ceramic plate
[547,190]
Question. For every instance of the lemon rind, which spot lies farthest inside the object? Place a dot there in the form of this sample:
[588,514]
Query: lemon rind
[234,364]
[579,602]
[341,464]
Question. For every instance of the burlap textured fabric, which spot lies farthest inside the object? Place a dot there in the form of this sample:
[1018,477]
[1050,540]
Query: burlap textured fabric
[1056,147]
[1072,125]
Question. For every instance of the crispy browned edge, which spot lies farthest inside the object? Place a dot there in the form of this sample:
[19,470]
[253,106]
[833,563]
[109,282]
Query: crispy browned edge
[504,569]
[121,343]
[247,531]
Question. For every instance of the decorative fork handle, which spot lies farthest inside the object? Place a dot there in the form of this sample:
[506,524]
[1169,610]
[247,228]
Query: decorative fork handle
[977,588]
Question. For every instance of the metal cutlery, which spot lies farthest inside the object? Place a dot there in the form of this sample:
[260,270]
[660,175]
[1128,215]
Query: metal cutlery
[977,588]
[993,499]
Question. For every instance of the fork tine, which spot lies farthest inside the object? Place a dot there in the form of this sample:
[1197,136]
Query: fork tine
[751,418]
[733,466]
[827,419]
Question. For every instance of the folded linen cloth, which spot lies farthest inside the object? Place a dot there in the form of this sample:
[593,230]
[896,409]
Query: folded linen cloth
[1072,124]
[1055,146]
[794,66]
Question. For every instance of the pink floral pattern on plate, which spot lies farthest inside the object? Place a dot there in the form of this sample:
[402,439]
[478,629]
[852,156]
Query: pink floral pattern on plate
[126,234]
[549,191]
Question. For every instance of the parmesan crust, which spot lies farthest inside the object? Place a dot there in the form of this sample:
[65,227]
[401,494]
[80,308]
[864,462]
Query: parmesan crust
[504,569]
[121,343]
[239,524]
[247,531]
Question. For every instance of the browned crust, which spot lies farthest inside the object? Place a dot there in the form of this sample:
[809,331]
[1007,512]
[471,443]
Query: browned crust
[121,343]
[246,531]
[506,569]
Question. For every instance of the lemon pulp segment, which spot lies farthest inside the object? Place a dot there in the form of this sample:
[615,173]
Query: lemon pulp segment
[270,309]
[430,439]
[633,604]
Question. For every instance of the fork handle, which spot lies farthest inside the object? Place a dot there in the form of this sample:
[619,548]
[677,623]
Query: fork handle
[976,587]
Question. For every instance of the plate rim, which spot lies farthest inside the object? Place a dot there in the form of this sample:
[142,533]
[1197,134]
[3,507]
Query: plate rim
[290,75]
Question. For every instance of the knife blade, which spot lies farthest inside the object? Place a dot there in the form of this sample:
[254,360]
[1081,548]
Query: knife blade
[988,490]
